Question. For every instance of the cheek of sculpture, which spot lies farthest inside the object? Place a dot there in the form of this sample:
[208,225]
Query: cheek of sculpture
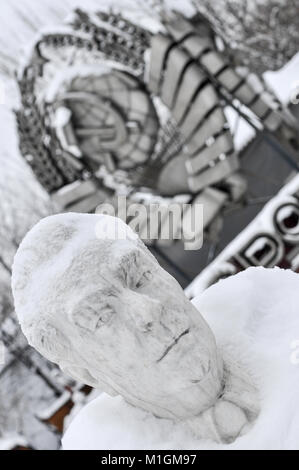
[107,333]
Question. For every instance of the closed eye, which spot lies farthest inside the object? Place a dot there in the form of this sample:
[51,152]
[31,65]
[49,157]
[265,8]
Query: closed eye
[106,314]
[91,318]
[145,278]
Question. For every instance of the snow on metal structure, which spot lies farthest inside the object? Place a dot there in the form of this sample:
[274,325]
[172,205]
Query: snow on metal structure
[155,119]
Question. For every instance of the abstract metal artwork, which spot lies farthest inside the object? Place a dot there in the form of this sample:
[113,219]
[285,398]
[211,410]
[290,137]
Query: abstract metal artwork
[108,104]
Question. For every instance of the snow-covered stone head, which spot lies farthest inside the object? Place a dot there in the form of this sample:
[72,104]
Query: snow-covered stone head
[91,297]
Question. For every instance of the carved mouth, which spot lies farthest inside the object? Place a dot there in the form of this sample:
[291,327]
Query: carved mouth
[175,341]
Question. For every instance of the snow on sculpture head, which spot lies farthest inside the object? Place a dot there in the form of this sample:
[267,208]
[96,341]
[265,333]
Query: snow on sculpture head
[91,297]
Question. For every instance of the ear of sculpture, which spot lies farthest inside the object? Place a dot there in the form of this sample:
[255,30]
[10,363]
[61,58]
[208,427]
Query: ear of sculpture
[81,374]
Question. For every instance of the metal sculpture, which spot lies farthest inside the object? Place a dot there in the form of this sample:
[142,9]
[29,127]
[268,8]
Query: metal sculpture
[107,104]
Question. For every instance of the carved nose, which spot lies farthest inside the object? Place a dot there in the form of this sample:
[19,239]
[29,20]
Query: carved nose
[143,311]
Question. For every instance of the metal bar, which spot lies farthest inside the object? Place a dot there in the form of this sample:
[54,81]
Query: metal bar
[276,145]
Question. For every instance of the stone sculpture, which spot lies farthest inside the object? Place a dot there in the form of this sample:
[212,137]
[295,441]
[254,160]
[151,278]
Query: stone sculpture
[91,297]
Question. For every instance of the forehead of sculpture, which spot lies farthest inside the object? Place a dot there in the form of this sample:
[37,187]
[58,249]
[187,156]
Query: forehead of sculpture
[67,251]
[103,264]
[59,239]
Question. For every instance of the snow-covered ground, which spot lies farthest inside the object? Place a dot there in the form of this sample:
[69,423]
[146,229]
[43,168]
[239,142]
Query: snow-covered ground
[253,314]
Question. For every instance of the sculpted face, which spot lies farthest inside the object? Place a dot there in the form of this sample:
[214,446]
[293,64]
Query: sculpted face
[129,327]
